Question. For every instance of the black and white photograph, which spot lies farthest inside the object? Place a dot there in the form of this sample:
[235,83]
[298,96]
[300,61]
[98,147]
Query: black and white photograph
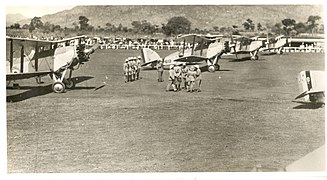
[198,87]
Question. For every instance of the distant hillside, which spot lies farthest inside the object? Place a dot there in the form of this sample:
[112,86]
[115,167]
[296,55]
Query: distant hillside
[13,18]
[201,16]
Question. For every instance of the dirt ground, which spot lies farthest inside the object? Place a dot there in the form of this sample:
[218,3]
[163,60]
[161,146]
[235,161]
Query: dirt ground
[243,117]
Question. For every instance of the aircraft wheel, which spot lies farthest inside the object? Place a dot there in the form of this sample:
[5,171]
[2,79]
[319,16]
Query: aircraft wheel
[256,57]
[69,83]
[58,87]
[217,67]
[252,58]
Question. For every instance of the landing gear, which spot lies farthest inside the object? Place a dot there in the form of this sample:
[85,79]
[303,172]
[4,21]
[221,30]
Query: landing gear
[60,83]
[280,52]
[217,67]
[256,57]
[58,87]
[39,80]
[69,83]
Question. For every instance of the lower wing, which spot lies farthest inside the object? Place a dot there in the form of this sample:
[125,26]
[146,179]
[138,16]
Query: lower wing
[17,76]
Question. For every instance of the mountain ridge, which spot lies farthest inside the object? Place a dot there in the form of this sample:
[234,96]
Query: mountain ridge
[201,16]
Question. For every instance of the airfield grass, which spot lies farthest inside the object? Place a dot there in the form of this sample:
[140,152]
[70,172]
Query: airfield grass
[243,117]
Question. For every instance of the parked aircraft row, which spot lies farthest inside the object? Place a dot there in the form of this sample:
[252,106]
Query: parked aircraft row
[211,48]
[27,58]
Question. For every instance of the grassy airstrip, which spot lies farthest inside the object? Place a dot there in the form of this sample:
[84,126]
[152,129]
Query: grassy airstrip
[243,117]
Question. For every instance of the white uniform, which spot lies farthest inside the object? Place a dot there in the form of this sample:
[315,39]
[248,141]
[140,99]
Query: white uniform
[171,79]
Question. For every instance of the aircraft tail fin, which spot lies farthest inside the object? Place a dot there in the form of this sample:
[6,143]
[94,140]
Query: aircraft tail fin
[149,56]
[311,82]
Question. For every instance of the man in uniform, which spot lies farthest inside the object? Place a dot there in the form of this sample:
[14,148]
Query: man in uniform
[134,68]
[198,77]
[191,76]
[160,70]
[171,78]
[178,77]
[130,69]
[138,63]
[125,69]
[184,75]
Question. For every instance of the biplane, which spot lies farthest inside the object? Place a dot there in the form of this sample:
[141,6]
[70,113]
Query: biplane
[275,44]
[245,45]
[194,49]
[28,58]
[312,87]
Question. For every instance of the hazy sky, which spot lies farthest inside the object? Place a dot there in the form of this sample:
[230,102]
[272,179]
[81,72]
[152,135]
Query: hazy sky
[40,8]
[32,11]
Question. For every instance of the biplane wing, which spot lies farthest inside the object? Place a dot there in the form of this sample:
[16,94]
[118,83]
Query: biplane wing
[194,49]
[191,59]
[27,58]
[194,38]
[17,76]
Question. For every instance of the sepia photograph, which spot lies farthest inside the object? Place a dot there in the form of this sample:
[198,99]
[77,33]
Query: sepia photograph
[164,88]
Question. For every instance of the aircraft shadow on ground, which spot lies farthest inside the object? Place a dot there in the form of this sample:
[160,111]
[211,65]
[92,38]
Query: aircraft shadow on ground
[148,69]
[245,59]
[35,91]
[273,54]
[269,53]
[205,69]
[308,106]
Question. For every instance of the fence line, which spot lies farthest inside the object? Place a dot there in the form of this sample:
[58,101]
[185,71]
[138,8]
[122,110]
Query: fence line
[179,47]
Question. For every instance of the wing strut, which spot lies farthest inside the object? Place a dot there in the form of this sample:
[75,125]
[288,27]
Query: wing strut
[22,59]
[11,60]
[183,46]
[193,46]
[36,57]
[201,47]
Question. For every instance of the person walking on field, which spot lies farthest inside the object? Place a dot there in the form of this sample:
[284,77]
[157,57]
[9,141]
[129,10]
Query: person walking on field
[160,70]
[171,79]
[138,64]
[134,68]
[178,77]
[184,76]
[191,75]
[198,77]
[130,69]
[125,69]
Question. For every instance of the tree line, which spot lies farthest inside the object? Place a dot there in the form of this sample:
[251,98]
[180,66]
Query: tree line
[179,25]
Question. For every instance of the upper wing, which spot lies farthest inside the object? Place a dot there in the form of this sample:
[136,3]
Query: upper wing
[72,38]
[28,42]
[193,38]
[33,42]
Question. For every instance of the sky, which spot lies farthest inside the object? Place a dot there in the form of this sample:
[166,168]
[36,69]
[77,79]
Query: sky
[32,11]
[39,8]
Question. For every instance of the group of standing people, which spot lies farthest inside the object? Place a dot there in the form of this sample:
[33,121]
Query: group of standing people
[180,77]
[132,68]
[184,77]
